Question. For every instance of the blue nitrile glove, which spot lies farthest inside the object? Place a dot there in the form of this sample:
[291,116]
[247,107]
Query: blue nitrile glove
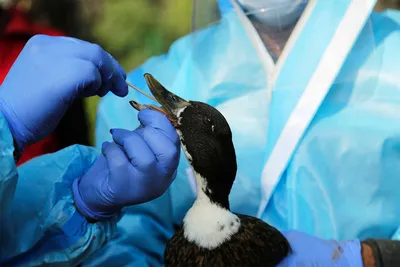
[48,75]
[137,167]
[308,250]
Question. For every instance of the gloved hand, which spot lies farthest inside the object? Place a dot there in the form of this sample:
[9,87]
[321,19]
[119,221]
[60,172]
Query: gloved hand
[48,75]
[311,251]
[137,167]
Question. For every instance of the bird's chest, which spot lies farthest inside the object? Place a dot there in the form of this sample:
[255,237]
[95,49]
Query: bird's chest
[181,252]
[255,244]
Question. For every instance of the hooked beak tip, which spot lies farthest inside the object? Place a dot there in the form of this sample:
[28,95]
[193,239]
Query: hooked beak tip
[169,101]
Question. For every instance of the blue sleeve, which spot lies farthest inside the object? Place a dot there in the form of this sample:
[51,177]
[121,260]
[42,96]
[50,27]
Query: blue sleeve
[8,170]
[39,222]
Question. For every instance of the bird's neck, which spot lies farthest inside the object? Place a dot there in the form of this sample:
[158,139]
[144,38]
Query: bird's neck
[209,222]
[211,193]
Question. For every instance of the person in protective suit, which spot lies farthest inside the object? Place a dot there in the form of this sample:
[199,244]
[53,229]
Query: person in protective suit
[311,92]
[59,208]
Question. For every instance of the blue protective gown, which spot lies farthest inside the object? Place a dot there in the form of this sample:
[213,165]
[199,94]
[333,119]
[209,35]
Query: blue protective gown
[39,223]
[317,135]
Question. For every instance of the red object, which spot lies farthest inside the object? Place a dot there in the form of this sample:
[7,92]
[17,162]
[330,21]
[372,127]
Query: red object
[14,37]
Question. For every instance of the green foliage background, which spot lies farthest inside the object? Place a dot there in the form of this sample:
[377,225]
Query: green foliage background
[134,30]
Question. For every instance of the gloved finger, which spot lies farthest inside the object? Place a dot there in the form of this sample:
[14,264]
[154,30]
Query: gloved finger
[102,91]
[166,152]
[139,153]
[157,120]
[118,66]
[98,57]
[112,78]
[68,46]
[119,86]
[114,155]
[92,84]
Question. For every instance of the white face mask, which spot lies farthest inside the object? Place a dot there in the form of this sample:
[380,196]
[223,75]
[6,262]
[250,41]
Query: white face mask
[275,13]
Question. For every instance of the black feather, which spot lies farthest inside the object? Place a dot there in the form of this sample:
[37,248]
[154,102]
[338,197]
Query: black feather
[256,244]
[208,139]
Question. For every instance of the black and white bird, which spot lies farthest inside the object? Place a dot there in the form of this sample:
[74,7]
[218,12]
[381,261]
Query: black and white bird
[210,234]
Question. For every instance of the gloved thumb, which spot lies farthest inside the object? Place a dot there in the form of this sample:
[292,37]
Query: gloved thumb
[158,121]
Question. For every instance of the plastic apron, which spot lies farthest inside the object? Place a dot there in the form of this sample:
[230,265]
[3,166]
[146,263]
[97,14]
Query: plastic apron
[315,128]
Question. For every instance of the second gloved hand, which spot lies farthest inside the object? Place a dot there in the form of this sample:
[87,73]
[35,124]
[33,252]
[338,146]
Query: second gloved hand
[308,250]
[137,167]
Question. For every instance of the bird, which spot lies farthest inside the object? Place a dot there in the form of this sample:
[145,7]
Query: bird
[210,233]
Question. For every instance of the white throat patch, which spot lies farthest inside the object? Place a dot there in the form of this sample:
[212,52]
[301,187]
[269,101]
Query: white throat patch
[207,224]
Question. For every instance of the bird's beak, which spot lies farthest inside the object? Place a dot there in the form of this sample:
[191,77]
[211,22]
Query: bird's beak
[170,102]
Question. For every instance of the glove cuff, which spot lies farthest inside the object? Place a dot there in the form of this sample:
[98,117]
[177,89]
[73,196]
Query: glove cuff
[9,115]
[84,209]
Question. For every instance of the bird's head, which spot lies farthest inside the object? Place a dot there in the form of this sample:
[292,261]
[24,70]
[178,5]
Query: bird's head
[206,140]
